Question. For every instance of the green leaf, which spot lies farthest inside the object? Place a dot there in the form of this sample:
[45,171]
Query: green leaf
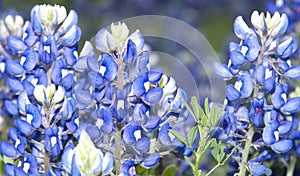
[187,159]
[199,113]
[188,108]
[206,106]
[217,150]
[192,135]
[140,170]
[170,170]
[179,136]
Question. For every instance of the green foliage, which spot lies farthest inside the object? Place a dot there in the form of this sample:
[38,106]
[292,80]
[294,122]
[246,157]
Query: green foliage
[170,170]
[206,120]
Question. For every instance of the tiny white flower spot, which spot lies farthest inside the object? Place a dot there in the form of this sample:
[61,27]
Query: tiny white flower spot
[102,70]
[17,142]
[99,123]
[283,96]
[26,167]
[53,141]
[268,73]
[2,66]
[147,85]
[23,59]
[29,118]
[47,48]
[137,134]
[238,85]
[276,133]
[120,104]
[244,50]
[75,53]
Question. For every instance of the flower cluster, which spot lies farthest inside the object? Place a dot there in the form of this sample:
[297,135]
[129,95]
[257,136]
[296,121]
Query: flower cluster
[126,106]
[81,115]
[258,106]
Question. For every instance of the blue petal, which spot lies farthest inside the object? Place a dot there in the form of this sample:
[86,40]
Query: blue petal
[142,145]
[152,123]
[8,150]
[142,61]
[106,116]
[231,93]
[259,169]
[153,95]
[241,29]
[293,72]
[138,84]
[163,134]
[128,133]
[71,20]
[277,99]
[36,23]
[282,146]
[56,74]
[285,127]
[30,38]
[222,71]
[16,44]
[23,127]
[12,170]
[31,59]
[285,48]
[247,86]
[67,81]
[269,134]
[93,131]
[95,78]
[37,116]
[93,64]
[14,84]
[131,52]
[71,55]
[253,48]
[22,102]
[151,160]
[155,75]
[104,41]
[11,107]
[237,58]
[14,68]
[72,36]
[292,105]
[83,97]
[111,67]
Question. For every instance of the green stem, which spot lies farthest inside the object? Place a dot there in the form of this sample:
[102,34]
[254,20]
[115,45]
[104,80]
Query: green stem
[292,164]
[46,161]
[118,150]
[213,169]
[246,151]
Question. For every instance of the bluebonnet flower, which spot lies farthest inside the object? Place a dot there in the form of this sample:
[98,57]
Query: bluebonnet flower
[259,66]
[120,94]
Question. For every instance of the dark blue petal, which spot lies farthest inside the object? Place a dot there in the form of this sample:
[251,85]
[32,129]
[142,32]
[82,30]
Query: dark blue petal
[36,23]
[292,105]
[142,62]
[131,52]
[163,134]
[153,95]
[127,168]
[247,86]
[282,146]
[111,67]
[56,74]
[259,169]
[12,170]
[253,48]
[30,38]
[222,71]
[16,44]
[14,68]
[285,48]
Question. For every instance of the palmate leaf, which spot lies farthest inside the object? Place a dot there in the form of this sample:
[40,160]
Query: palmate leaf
[217,150]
